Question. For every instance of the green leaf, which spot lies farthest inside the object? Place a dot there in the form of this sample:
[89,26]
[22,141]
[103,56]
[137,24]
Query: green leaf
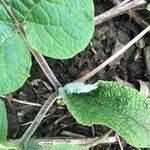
[64,147]
[56,28]
[15,61]
[31,145]
[148,7]
[7,146]
[121,108]
[3,122]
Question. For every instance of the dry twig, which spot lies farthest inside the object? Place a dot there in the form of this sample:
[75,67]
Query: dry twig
[119,141]
[23,102]
[80,141]
[119,10]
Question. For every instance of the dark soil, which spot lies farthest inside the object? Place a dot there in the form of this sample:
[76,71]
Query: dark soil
[107,39]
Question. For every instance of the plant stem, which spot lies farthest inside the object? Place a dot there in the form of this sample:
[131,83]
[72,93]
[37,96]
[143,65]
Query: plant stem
[98,140]
[116,55]
[79,141]
[119,141]
[46,69]
[22,102]
[133,14]
[27,135]
[118,10]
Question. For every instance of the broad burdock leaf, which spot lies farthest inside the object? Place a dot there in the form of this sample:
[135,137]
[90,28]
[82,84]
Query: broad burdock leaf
[64,147]
[3,122]
[56,28]
[121,108]
[15,59]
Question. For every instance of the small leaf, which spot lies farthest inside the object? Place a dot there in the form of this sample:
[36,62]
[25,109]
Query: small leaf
[121,108]
[56,28]
[3,122]
[79,87]
[64,147]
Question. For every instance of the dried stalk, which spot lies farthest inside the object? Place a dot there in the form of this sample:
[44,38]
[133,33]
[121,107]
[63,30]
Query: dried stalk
[119,10]
[29,132]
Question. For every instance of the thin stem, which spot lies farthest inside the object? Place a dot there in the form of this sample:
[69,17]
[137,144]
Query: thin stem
[124,2]
[119,141]
[22,102]
[133,14]
[118,10]
[29,132]
[116,55]
[99,140]
[46,69]
[80,141]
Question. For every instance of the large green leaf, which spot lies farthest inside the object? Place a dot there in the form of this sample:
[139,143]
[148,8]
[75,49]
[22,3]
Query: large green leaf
[3,122]
[15,59]
[64,147]
[121,108]
[56,28]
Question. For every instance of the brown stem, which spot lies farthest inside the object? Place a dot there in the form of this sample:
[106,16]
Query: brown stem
[118,10]
[79,141]
[133,14]
[46,69]
[29,132]
[98,140]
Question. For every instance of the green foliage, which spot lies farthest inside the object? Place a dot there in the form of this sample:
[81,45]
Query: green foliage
[32,145]
[15,63]
[64,147]
[148,7]
[3,123]
[15,59]
[121,108]
[55,28]
[7,146]
[4,145]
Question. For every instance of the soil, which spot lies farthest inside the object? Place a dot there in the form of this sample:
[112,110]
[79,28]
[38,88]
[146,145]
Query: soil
[107,39]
